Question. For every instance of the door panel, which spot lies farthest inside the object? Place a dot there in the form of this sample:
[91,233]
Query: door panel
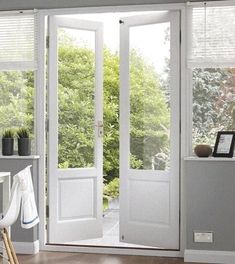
[149,130]
[75,125]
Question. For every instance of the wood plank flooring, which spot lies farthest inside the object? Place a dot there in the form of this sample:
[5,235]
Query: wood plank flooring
[82,258]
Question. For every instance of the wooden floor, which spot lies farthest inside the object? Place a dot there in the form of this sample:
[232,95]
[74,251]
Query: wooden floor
[81,258]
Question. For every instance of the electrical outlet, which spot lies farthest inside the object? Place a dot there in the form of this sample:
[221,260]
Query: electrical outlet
[203,237]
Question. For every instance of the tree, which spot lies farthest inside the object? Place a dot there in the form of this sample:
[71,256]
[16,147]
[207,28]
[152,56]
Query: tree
[149,110]
[16,99]
[111,115]
[150,115]
[213,103]
[76,106]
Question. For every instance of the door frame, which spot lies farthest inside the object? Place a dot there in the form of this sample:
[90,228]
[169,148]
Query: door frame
[41,126]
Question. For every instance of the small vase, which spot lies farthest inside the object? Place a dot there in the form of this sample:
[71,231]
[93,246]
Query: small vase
[7,146]
[24,146]
[203,150]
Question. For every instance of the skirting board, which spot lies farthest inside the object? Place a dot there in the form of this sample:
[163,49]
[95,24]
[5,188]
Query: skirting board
[26,247]
[209,256]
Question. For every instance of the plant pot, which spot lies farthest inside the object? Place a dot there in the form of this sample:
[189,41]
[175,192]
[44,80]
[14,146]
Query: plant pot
[24,146]
[7,146]
[203,150]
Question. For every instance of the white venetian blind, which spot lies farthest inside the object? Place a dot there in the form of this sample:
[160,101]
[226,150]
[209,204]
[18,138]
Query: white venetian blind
[18,41]
[211,36]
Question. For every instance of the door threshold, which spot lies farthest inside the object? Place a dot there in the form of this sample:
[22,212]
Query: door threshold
[156,252]
[118,247]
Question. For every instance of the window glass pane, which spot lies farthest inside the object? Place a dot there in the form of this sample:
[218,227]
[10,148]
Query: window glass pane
[17,100]
[76,98]
[213,103]
[150,97]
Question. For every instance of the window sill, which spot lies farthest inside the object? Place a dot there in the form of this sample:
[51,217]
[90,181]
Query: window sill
[20,157]
[194,158]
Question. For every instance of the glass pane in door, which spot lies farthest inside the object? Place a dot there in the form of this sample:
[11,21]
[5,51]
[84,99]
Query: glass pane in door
[76,98]
[150,97]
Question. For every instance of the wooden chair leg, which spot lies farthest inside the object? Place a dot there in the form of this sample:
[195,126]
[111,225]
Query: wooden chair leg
[11,247]
[7,247]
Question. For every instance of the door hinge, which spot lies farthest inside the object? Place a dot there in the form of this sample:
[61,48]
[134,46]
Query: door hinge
[47,42]
[122,237]
[180,127]
[47,125]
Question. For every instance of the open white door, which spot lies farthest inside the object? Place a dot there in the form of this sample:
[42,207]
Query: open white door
[75,156]
[149,144]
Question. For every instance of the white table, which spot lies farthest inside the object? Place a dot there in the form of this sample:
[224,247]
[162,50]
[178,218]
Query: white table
[5,179]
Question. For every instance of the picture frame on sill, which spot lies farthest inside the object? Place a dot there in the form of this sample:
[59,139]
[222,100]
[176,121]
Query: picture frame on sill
[224,144]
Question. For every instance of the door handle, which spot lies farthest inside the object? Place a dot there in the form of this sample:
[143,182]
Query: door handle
[100,129]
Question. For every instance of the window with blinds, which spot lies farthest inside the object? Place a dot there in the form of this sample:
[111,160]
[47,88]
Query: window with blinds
[18,53]
[211,58]
[18,41]
[211,36]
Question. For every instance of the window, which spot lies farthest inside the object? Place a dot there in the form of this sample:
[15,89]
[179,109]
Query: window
[211,59]
[213,103]
[17,70]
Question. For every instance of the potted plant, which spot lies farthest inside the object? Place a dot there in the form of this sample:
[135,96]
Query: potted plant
[24,143]
[8,142]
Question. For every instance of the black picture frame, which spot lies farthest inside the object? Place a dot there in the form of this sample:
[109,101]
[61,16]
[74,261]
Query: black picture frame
[224,144]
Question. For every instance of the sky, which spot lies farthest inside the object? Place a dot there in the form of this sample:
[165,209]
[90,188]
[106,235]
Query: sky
[149,40]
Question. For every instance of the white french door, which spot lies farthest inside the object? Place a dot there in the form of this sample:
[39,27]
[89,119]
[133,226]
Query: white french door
[75,108]
[149,135]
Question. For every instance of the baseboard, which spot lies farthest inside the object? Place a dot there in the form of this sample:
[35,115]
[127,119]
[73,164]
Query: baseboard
[26,247]
[209,256]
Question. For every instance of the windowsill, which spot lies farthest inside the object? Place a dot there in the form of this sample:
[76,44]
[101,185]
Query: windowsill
[20,157]
[194,158]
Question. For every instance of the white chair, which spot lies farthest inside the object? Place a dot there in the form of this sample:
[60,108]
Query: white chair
[22,197]
[10,216]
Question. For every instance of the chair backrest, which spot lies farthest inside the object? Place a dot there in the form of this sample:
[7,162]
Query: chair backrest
[11,213]
[22,197]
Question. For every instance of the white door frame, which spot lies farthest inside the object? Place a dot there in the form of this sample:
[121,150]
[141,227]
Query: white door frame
[41,120]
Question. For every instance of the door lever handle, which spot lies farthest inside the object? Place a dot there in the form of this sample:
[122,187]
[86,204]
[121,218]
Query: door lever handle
[100,129]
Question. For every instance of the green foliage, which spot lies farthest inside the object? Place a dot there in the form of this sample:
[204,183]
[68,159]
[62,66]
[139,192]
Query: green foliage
[135,163]
[213,103]
[105,203]
[112,188]
[76,102]
[150,114]
[8,133]
[16,100]
[111,115]
[76,106]
[22,133]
